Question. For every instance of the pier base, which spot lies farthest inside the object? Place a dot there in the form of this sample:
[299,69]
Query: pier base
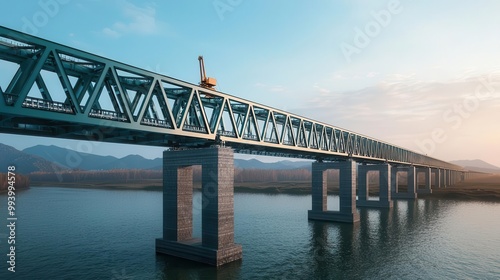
[384,171]
[347,186]
[216,247]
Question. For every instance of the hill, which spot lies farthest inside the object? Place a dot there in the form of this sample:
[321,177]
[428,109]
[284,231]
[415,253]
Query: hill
[85,161]
[25,163]
[477,165]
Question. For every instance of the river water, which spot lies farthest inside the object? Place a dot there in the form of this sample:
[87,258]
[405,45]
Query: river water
[64,233]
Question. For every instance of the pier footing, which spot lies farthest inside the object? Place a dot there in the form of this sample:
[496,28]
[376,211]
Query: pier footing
[194,250]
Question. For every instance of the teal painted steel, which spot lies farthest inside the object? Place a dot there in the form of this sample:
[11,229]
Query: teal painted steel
[100,99]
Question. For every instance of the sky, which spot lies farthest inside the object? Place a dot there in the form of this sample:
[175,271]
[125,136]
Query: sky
[424,75]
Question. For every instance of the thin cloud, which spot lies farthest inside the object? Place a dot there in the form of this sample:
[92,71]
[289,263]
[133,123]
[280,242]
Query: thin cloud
[321,90]
[110,32]
[137,21]
[271,88]
[402,99]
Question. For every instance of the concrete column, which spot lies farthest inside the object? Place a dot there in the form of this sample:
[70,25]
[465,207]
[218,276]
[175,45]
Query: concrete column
[437,178]
[216,246]
[428,183]
[411,183]
[363,189]
[384,186]
[445,178]
[347,186]
[394,180]
[178,202]
[319,188]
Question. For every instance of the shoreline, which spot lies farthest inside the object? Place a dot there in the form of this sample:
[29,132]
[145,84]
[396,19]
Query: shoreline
[157,185]
[485,188]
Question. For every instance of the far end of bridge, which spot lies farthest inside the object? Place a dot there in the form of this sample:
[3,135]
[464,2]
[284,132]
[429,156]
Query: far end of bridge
[217,245]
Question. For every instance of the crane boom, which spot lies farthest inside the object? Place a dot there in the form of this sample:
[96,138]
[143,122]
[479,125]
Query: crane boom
[205,81]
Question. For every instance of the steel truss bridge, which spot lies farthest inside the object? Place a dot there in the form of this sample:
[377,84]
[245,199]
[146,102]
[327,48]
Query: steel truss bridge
[56,91]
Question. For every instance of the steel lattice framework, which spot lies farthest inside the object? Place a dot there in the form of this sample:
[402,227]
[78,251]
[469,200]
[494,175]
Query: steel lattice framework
[58,91]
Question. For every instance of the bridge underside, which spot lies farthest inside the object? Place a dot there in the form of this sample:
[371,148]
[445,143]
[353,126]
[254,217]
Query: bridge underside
[93,132]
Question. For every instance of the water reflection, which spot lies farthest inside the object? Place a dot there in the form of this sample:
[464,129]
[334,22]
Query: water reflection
[364,249]
[423,239]
[380,244]
[168,267]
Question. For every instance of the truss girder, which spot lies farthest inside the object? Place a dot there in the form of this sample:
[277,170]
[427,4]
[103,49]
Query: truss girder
[143,107]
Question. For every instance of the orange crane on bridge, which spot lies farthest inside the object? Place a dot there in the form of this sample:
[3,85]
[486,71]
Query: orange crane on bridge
[206,82]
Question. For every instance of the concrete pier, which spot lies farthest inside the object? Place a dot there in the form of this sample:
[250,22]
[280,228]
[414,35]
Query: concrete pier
[427,181]
[216,246]
[437,178]
[384,171]
[411,183]
[347,185]
[445,178]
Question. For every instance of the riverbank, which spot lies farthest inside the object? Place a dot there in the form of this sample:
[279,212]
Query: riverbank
[484,188]
[16,182]
[157,184]
[292,187]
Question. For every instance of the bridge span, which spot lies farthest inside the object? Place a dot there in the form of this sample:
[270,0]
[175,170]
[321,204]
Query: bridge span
[58,91]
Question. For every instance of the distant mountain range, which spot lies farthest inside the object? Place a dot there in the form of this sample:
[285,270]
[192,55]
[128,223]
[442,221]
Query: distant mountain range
[77,160]
[24,162]
[85,161]
[477,165]
[54,158]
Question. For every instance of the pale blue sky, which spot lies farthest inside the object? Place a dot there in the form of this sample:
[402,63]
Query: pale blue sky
[400,71]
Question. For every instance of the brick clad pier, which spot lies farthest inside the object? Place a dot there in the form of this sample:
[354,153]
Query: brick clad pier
[216,246]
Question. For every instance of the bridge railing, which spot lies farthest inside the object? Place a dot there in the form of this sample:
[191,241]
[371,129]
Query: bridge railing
[68,86]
